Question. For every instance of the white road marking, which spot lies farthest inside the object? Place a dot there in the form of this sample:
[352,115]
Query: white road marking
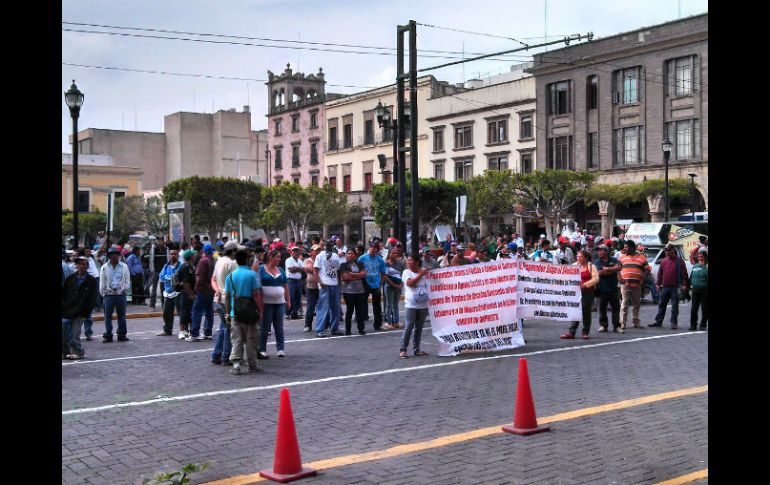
[314,339]
[365,374]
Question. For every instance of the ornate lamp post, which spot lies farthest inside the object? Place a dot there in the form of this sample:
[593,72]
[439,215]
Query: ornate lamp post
[692,194]
[384,119]
[666,146]
[74,99]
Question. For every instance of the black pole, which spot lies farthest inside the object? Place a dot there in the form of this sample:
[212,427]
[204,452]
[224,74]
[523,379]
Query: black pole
[75,113]
[666,154]
[692,195]
[109,218]
[401,136]
[397,216]
[413,137]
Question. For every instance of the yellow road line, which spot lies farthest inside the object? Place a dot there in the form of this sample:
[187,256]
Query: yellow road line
[690,477]
[466,436]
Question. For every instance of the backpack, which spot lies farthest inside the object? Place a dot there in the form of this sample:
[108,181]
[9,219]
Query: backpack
[177,280]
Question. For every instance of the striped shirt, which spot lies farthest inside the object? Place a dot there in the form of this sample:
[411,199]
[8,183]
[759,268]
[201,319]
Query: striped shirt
[632,269]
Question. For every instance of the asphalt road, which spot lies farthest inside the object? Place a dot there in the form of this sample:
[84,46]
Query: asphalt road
[352,395]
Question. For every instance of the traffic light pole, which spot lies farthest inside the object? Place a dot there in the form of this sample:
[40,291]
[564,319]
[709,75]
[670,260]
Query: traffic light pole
[399,168]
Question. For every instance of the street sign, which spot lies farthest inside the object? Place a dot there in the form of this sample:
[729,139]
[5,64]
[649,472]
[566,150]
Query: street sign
[175,205]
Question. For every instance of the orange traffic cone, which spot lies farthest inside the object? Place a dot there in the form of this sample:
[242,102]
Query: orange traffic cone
[524,419]
[288,464]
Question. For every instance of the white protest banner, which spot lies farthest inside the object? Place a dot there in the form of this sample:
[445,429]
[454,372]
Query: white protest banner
[548,292]
[473,307]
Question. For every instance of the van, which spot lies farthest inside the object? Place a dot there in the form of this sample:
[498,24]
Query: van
[655,235]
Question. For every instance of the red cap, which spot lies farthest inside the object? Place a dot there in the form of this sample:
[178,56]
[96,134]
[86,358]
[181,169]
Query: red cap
[392,240]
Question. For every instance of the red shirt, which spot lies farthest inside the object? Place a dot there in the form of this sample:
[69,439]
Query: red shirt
[668,275]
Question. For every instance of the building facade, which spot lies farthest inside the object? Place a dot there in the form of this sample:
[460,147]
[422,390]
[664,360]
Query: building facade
[98,177]
[607,105]
[295,127]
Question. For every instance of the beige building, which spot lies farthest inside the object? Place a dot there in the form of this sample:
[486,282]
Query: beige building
[354,139]
[97,177]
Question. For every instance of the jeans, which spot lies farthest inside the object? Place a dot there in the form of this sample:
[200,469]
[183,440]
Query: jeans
[185,315]
[151,286]
[88,325]
[169,305]
[295,293]
[376,306]
[669,293]
[585,302]
[223,345]
[115,303]
[415,319]
[73,333]
[392,296]
[66,336]
[244,340]
[203,304]
[700,297]
[273,316]
[612,298]
[653,289]
[329,304]
[312,300]
[354,302]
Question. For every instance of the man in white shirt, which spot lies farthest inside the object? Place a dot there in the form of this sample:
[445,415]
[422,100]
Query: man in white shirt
[327,265]
[114,281]
[223,267]
[564,254]
[294,270]
[340,247]
[517,240]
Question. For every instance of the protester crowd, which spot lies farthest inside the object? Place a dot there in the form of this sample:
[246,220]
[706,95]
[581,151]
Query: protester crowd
[254,286]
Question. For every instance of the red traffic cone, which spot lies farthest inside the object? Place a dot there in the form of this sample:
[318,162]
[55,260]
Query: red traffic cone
[288,464]
[524,419]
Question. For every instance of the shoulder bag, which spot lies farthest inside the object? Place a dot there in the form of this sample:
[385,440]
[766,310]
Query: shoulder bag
[245,309]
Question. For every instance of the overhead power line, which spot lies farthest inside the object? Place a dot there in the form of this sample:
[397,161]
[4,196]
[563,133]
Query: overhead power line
[470,32]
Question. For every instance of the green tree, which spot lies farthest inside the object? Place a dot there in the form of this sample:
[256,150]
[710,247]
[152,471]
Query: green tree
[215,201]
[156,220]
[89,224]
[551,193]
[129,217]
[492,195]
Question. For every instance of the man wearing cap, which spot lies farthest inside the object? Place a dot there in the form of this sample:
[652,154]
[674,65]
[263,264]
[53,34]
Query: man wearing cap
[672,275]
[375,268]
[170,296]
[204,297]
[564,254]
[311,286]
[632,272]
[428,261]
[78,300]
[223,267]
[114,281]
[187,294]
[607,289]
[294,269]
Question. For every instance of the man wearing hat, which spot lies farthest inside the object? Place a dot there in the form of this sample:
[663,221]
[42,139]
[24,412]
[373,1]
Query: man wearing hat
[223,267]
[114,281]
[672,275]
[294,269]
[78,300]
[204,297]
[564,254]
[428,261]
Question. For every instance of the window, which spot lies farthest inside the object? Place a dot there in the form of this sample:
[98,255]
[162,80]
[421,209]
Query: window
[118,194]
[627,89]
[84,201]
[333,143]
[333,182]
[295,180]
[525,126]
[314,121]
[438,140]
[593,150]
[368,181]
[386,178]
[464,169]
[559,101]
[346,183]
[464,136]
[295,123]
[387,134]
[438,171]
[560,153]
[683,75]
[685,135]
[314,153]
[278,127]
[347,136]
[369,132]
[314,180]
[526,162]
[629,146]
[498,162]
[497,131]
[295,156]
[592,92]
[278,152]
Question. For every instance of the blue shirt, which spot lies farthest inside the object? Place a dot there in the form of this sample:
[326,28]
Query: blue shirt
[167,274]
[607,283]
[245,281]
[373,266]
[134,265]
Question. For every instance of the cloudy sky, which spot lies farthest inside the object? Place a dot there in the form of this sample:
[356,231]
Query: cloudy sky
[298,32]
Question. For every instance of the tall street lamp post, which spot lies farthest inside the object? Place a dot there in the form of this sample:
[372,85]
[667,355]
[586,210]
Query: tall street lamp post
[692,194]
[666,146]
[385,120]
[74,100]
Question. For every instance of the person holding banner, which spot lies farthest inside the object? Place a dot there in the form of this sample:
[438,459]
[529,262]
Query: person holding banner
[416,303]
[589,278]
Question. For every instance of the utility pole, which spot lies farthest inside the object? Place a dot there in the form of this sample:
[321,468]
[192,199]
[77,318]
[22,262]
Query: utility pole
[413,137]
[399,168]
